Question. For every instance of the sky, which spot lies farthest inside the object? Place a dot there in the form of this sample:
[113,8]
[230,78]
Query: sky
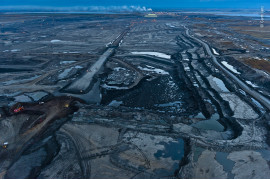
[172,4]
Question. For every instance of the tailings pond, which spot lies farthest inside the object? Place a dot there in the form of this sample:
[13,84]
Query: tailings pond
[163,94]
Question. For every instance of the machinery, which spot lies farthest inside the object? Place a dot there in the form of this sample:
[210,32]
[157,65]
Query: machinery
[18,109]
[5,145]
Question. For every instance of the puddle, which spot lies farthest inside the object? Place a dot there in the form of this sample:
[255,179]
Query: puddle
[174,150]
[199,116]
[227,164]
[210,124]
[265,154]
[197,152]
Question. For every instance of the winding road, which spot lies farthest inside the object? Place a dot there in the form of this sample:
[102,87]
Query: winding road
[263,100]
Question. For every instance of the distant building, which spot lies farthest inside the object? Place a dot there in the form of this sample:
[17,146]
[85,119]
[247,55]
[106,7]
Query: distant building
[151,15]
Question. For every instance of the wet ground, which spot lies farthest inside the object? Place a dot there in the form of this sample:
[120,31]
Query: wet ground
[123,96]
[160,94]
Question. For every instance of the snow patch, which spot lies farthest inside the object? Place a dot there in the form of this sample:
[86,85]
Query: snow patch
[73,52]
[157,54]
[108,44]
[220,84]
[170,25]
[250,83]
[119,68]
[78,67]
[155,70]
[15,50]
[55,41]
[115,103]
[113,87]
[217,84]
[120,43]
[64,73]
[170,104]
[67,62]
[230,67]
[215,52]
[240,108]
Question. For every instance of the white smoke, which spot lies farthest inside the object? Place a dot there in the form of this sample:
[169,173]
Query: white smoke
[113,8]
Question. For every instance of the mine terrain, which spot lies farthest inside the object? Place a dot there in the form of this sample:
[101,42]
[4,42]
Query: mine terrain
[125,96]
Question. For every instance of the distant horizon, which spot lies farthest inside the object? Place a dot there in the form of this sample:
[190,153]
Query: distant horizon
[140,4]
[116,8]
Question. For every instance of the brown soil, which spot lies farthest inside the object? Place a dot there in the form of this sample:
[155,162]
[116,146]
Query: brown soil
[258,64]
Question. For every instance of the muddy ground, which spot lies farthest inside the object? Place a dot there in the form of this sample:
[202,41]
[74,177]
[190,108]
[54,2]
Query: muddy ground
[156,107]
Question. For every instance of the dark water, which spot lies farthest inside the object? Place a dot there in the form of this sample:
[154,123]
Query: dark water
[210,124]
[174,150]
[227,164]
[197,152]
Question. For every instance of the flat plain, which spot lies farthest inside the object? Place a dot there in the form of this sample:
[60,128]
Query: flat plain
[125,96]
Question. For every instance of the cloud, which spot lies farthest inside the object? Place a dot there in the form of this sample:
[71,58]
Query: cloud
[77,8]
[115,8]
